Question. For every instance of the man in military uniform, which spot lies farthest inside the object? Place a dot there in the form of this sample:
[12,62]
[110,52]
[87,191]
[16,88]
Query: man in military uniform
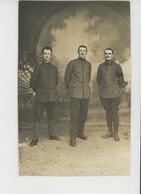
[110,78]
[44,81]
[77,78]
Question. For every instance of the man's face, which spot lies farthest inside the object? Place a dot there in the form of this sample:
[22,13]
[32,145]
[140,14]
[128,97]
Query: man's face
[82,52]
[46,55]
[108,55]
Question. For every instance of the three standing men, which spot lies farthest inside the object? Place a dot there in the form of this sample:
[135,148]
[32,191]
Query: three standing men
[77,78]
[44,81]
[110,78]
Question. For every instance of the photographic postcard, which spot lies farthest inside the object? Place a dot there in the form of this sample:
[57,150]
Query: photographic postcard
[64,26]
[94,165]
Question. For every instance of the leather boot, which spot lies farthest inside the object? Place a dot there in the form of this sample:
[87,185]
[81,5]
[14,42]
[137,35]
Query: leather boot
[35,133]
[81,135]
[109,124]
[72,141]
[108,135]
[51,131]
[116,124]
[36,126]
[116,137]
[34,142]
[72,137]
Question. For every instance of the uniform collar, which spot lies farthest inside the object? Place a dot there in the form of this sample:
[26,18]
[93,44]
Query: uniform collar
[81,59]
[46,64]
[109,62]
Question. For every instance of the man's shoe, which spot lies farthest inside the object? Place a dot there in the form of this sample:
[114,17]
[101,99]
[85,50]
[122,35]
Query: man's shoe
[82,136]
[116,137]
[54,137]
[33,142]
[109,134]
[73,142]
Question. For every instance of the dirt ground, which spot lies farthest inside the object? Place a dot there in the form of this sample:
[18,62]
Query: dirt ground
[94,157]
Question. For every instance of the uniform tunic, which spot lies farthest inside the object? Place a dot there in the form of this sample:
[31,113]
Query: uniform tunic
[77,78]
[44,81]
[109,79]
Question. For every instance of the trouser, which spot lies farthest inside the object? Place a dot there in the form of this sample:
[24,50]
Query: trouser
[39,108]
[78,110]
[110,106]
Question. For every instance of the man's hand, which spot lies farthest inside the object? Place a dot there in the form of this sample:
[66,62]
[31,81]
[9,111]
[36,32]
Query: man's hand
[125,83]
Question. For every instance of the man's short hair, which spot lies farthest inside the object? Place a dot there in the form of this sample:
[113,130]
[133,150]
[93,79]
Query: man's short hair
[47,48]
[82,46]
[109,49]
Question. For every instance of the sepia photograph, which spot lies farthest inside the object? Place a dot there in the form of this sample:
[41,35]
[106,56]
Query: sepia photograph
[74,88]
[70,96]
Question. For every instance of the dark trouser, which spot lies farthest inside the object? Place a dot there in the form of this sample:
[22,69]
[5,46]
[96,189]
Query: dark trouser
[79,109]
[39,108]
[110,106]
